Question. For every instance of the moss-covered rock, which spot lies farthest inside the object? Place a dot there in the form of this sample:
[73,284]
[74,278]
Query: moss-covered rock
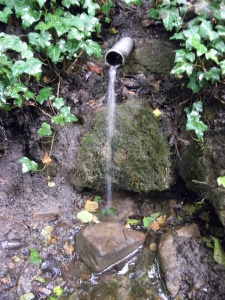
[141,158]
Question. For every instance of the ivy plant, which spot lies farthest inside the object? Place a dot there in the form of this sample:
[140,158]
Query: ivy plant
[201,56]
[54,34]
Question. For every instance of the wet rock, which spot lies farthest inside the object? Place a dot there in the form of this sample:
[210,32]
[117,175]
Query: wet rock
[104,244]
[168,256]
[141,158]
[46,212]
[12,244]
[207,164]
[153,55]
[24,286]
[50,265]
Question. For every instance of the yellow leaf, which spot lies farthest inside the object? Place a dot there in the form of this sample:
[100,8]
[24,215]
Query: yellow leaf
[156,112]
[112,30]
[95,219]
[47,233]
[154,225]
[161,220]
[91,206]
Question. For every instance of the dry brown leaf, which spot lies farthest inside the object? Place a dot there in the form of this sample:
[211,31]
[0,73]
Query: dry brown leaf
[161,220]
[68,248]
[46,160]
[127,226]
[93,104]
[154,225]
[53,239]
[91,206]
[94,68]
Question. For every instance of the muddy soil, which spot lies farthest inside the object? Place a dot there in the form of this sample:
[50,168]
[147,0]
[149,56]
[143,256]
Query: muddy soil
[27,204]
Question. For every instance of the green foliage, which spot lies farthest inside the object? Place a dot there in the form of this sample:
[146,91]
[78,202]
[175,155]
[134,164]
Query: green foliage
[148,220]
[56,34]
[202,57]
[28,165]
[193,120]
[45,130]
[35,258]
[221,181]
[97,199]
[27,296]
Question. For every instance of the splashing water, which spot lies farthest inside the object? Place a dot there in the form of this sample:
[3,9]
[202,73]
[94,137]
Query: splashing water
[110,131]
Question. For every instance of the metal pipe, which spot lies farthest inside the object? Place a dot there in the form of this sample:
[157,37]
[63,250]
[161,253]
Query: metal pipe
[118,54]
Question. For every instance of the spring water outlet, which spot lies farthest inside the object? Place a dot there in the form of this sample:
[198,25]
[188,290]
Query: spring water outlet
[118,54]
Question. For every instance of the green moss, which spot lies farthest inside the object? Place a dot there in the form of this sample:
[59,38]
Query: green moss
[140,152]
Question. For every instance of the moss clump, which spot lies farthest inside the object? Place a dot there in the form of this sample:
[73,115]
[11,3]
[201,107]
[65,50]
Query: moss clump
[141,156]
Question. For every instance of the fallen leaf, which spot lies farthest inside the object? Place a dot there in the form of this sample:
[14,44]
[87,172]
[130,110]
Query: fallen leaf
[11,265]
[156,112]
[94,68]
[68,248]
[95,219]
[57,290]
[51,184]
[53,239]
[112,30]
[27,296]
[85,216]
[93,104]
[132,221]
[127,226]
[154,225]
[161,220]
[47,233]
[39,279]
[43,290]
[91,206]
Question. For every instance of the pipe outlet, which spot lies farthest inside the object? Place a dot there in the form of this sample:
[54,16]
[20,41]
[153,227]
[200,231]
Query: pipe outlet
[118,54]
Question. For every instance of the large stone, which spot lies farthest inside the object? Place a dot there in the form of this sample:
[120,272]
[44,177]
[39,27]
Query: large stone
[151,54]
[106,243]
[140,152]
[170,264]
[201,165]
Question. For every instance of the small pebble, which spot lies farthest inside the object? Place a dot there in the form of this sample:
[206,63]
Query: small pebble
[153,246]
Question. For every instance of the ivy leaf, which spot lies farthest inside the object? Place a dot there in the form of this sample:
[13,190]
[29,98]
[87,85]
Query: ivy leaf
[58,102]
[135,2]
[182,55]
[13,42]
[91,7]
[4,14]
[65,116]
[28,165]
[31,66]
[40,40]
[45,130]
[222,65]
[41,3]
[221,30]
[213,75]
[28,15]
[43,95]
[193,120]
[68,3]
[147,221]
[193,84]
[218,44]
[35,258]
[85,216]
[182,67]
[75,34]
[28,95]
[54,53]
[212,54]
[91,48]
[170,18]
[153,13]
[206,31]
[221,181]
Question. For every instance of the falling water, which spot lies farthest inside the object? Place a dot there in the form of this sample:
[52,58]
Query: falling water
[110,131]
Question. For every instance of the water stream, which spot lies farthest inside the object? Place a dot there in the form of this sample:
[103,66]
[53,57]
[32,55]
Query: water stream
[110,131]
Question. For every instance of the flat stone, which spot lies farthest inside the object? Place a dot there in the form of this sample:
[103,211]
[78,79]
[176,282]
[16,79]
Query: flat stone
[46,212]
[170,265]
[106,243]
